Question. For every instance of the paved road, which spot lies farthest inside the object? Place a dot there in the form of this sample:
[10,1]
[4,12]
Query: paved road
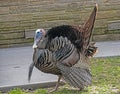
[14,63]
[111,48]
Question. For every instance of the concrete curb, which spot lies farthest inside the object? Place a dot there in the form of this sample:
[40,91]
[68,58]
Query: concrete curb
[30,86]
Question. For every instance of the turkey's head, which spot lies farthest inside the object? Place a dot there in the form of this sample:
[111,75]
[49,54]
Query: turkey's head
[39,38]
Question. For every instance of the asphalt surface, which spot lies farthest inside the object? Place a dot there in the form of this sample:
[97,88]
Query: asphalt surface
[14,64]
[109,48]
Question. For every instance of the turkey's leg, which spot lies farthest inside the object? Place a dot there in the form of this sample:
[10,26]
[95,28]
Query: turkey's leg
[57,84]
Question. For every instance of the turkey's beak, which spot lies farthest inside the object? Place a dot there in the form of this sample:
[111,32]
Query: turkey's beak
[36,42]
[38,37]
[35,45]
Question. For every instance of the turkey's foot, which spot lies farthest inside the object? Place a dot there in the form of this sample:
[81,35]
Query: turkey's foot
[57,85]
[80,89]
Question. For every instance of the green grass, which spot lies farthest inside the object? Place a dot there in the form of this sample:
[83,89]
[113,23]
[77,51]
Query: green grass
[17,91]
[106,79]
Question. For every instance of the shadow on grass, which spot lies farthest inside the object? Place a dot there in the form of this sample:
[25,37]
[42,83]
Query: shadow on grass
[70,91]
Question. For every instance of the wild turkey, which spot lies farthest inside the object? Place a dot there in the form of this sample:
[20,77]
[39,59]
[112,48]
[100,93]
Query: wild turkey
[64,51]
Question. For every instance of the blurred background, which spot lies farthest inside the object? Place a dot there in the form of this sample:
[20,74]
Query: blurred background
[20,18]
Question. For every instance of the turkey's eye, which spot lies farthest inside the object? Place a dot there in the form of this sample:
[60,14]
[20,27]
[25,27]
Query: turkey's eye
[39,33]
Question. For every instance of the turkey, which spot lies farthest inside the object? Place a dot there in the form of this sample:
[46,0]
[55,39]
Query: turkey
[64,51]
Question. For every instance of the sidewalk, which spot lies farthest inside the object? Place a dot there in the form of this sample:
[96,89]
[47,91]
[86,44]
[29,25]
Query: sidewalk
[14,63]
[111,48]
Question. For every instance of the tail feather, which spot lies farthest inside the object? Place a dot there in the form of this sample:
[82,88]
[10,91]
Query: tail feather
[30,71]
[73,81]
[77,79]
[92,49]
[76,76]
[80,77]
[85,74]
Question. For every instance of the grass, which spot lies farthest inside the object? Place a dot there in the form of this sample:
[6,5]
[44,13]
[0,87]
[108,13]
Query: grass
[106,79]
